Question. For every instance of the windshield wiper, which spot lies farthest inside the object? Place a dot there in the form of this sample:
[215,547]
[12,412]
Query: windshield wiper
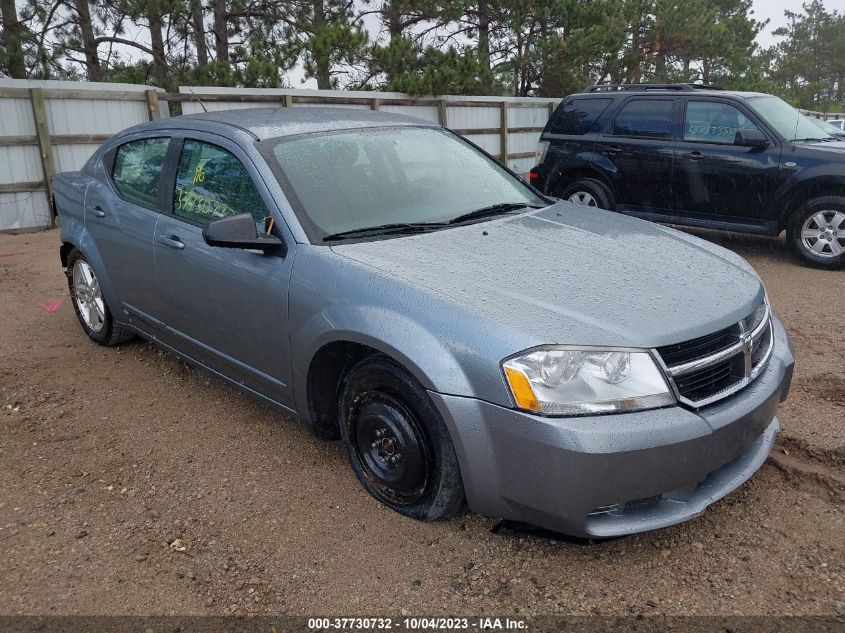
[493,209]
[381,229]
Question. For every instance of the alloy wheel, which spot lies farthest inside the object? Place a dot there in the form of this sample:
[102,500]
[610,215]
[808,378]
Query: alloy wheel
[88,297]
[583,197]
[823,233]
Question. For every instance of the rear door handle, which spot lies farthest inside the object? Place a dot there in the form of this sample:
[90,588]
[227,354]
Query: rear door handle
[172,241]
[695,156]
[97,210]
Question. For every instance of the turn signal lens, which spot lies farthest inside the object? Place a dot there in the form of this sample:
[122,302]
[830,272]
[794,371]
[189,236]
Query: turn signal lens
[522,391]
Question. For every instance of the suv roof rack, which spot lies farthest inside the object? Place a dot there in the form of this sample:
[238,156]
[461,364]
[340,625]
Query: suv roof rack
[646,87]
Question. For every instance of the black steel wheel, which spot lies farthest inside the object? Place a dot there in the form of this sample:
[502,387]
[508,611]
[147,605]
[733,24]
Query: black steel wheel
[397,443]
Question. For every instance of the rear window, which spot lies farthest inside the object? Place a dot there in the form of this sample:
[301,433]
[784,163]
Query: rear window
[579,115]
[137,170]
[645,118]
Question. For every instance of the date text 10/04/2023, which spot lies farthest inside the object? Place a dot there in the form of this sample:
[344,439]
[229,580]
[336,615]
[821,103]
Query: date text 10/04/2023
[417,624]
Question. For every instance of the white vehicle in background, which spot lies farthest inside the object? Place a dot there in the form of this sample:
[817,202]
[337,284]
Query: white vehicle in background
[840,123]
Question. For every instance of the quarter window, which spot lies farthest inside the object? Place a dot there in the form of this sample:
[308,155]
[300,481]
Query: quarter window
[714,122]
[645,118]
[137,170]
[579,115]
[211,184]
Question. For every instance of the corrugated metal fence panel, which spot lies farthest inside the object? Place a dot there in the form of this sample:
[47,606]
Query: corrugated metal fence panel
[24,211]
[93,116]
[16,117]
[424,112]
[101,114]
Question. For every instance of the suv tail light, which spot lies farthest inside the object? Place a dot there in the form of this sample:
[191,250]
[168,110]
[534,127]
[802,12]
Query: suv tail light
[540,152]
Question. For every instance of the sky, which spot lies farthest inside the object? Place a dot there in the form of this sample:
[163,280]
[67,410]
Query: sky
[773,11]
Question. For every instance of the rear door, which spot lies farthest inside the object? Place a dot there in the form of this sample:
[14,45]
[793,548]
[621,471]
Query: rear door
[121,213]
[638,148]
[716,180]
[224,307]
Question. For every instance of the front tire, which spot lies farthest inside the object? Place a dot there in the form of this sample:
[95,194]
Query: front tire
[397,443]
[588,192]
[90,305]
[816,232]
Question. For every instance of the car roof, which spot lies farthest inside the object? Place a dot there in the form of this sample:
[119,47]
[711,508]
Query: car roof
[624,90]
[264,123]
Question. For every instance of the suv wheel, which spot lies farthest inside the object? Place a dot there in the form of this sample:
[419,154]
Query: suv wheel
[589,192]
[397,443]
[816,232]
[90,305]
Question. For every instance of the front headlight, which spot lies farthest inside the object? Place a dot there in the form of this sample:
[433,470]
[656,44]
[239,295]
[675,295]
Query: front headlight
[568,381]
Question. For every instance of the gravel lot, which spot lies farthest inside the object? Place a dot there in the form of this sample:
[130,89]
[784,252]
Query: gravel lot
[109,455]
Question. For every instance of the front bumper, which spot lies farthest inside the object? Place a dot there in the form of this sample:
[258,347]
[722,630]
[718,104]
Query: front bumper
[609,475]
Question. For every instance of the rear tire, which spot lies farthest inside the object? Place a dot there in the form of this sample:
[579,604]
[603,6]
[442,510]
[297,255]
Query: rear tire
[816,232]
[90,306]
[397,443]
[588,192]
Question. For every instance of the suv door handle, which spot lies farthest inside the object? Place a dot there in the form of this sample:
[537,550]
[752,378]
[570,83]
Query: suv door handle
[613,149]
[695,155]
[172,241]
[97,211]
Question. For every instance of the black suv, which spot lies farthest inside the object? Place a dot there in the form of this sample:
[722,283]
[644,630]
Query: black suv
[700,156]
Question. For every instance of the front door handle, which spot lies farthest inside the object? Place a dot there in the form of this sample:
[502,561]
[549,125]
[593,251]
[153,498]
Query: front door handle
[97,210]
[172,241]
[695,155]
[613,149]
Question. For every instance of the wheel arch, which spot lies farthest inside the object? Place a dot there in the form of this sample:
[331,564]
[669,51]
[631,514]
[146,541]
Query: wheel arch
[805,190]
[317,388]
[75,236]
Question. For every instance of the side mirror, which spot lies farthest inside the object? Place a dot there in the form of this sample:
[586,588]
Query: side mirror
[751,138]
[238,231]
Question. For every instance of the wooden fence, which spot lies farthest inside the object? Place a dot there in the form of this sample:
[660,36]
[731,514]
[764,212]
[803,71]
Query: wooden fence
[51,126]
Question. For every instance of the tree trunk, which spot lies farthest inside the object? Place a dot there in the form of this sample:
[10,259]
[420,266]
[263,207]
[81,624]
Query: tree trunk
[199,32]
[157,46]
[89,46]
[393,19]
[321,56]
[12,40]
[484,45]
[221,33]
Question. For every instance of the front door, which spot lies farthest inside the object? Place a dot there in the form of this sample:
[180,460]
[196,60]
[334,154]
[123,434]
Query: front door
[717,180]
[226,308]
[638,147]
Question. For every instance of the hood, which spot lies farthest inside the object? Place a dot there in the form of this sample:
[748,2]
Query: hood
[570,274]
[837,146]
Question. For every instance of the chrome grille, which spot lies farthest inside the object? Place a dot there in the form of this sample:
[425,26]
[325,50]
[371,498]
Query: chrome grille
[709,368]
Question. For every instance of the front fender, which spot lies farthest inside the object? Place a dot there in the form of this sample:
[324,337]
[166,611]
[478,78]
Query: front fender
[394,334]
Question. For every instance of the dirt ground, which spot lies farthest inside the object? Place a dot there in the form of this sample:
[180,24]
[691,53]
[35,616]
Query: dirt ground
[109,455]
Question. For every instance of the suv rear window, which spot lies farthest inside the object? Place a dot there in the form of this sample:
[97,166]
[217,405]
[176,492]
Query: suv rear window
[578,116]
[646,118]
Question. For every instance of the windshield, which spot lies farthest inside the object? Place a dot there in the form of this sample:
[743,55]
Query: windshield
[827,127]
[350,180]
[786,120]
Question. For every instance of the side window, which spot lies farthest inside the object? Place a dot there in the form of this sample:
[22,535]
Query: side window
[211,184]
[645,118]
[714,122]
[578,116]
[137,170]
